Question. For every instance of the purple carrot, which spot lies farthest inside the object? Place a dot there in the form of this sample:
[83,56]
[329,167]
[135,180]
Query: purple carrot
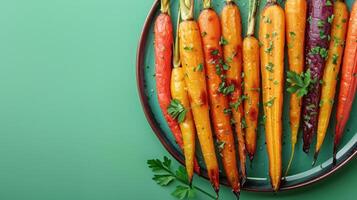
[320,15]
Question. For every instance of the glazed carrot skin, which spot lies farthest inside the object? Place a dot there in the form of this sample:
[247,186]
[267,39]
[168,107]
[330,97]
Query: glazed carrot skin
[251,91]
[332,68]
[251,80]
[272,23]
[295,14]
[192,58]
[317,31]
[348,79]
[178,92]
[163,44]
[232,33]
[210,25]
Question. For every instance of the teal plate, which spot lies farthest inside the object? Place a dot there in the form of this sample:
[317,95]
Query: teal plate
[302,172]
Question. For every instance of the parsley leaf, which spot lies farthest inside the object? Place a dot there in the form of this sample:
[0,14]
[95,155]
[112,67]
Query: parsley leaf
[176,110]
[223,41]
[165,176]
[299,83]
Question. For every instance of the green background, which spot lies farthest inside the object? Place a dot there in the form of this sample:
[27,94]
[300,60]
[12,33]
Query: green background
[71,124]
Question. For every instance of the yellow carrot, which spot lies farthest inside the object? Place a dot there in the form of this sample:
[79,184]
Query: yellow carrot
[332,68]
[251,82]
[272,24]
[295,13]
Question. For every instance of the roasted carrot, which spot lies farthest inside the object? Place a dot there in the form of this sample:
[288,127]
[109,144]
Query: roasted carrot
[251,79]
[316,44]
[163,62]
[295,14]
[272,38]
[195,78]
[220,111]
[348,79]
[187,126]
[332,68]
[232,50]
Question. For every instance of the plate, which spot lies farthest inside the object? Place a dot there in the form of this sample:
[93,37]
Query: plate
[302,172]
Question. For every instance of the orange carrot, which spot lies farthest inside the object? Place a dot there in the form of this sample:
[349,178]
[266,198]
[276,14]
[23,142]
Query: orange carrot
[272,23]
[338,35]
[348,79]
[195,77]
[295,13]
[220,112]
[232,50]
[251,82]
[187,126]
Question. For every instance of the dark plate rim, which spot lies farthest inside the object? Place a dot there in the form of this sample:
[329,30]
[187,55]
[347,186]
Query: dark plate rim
[158,132]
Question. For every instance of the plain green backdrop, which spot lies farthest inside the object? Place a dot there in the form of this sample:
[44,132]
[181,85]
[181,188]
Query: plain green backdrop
[71,124]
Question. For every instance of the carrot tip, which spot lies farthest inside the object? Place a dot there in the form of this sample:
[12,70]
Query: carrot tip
[237,194]
[334,162]
[217,193]
[243,180]
[315,158]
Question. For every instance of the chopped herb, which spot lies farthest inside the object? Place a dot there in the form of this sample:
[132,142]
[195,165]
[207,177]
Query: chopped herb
[218,70]
[330,18]
[200,67]
[203,34]
[292,34]
[274,34]
[322,35]
[334,58]
[224,89]
[176,110]
[220,145]
[270,67]
[227,111]
[321,103]
[215,52]
[309,19]
[267,20]
[328,3]
[267,36]
[223,41]
[226,67]
[270,103]
[319,50]
[344,20]
[276,82]
[187,48]
[270,48]
[236,104]
[320,23]
[233,121]
[244,123]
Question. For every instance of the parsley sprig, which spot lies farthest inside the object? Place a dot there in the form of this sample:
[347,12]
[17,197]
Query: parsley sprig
[299,83]
[165,175]
[176,110]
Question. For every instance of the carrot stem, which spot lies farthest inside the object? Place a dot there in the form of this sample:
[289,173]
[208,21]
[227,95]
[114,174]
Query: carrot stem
[165,7]
[186,7]
[251,17]
[207,4]
[177,61]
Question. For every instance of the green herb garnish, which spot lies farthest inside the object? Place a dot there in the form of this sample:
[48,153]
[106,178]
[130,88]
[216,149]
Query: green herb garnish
[299,83]
[176,110]
[164,175]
